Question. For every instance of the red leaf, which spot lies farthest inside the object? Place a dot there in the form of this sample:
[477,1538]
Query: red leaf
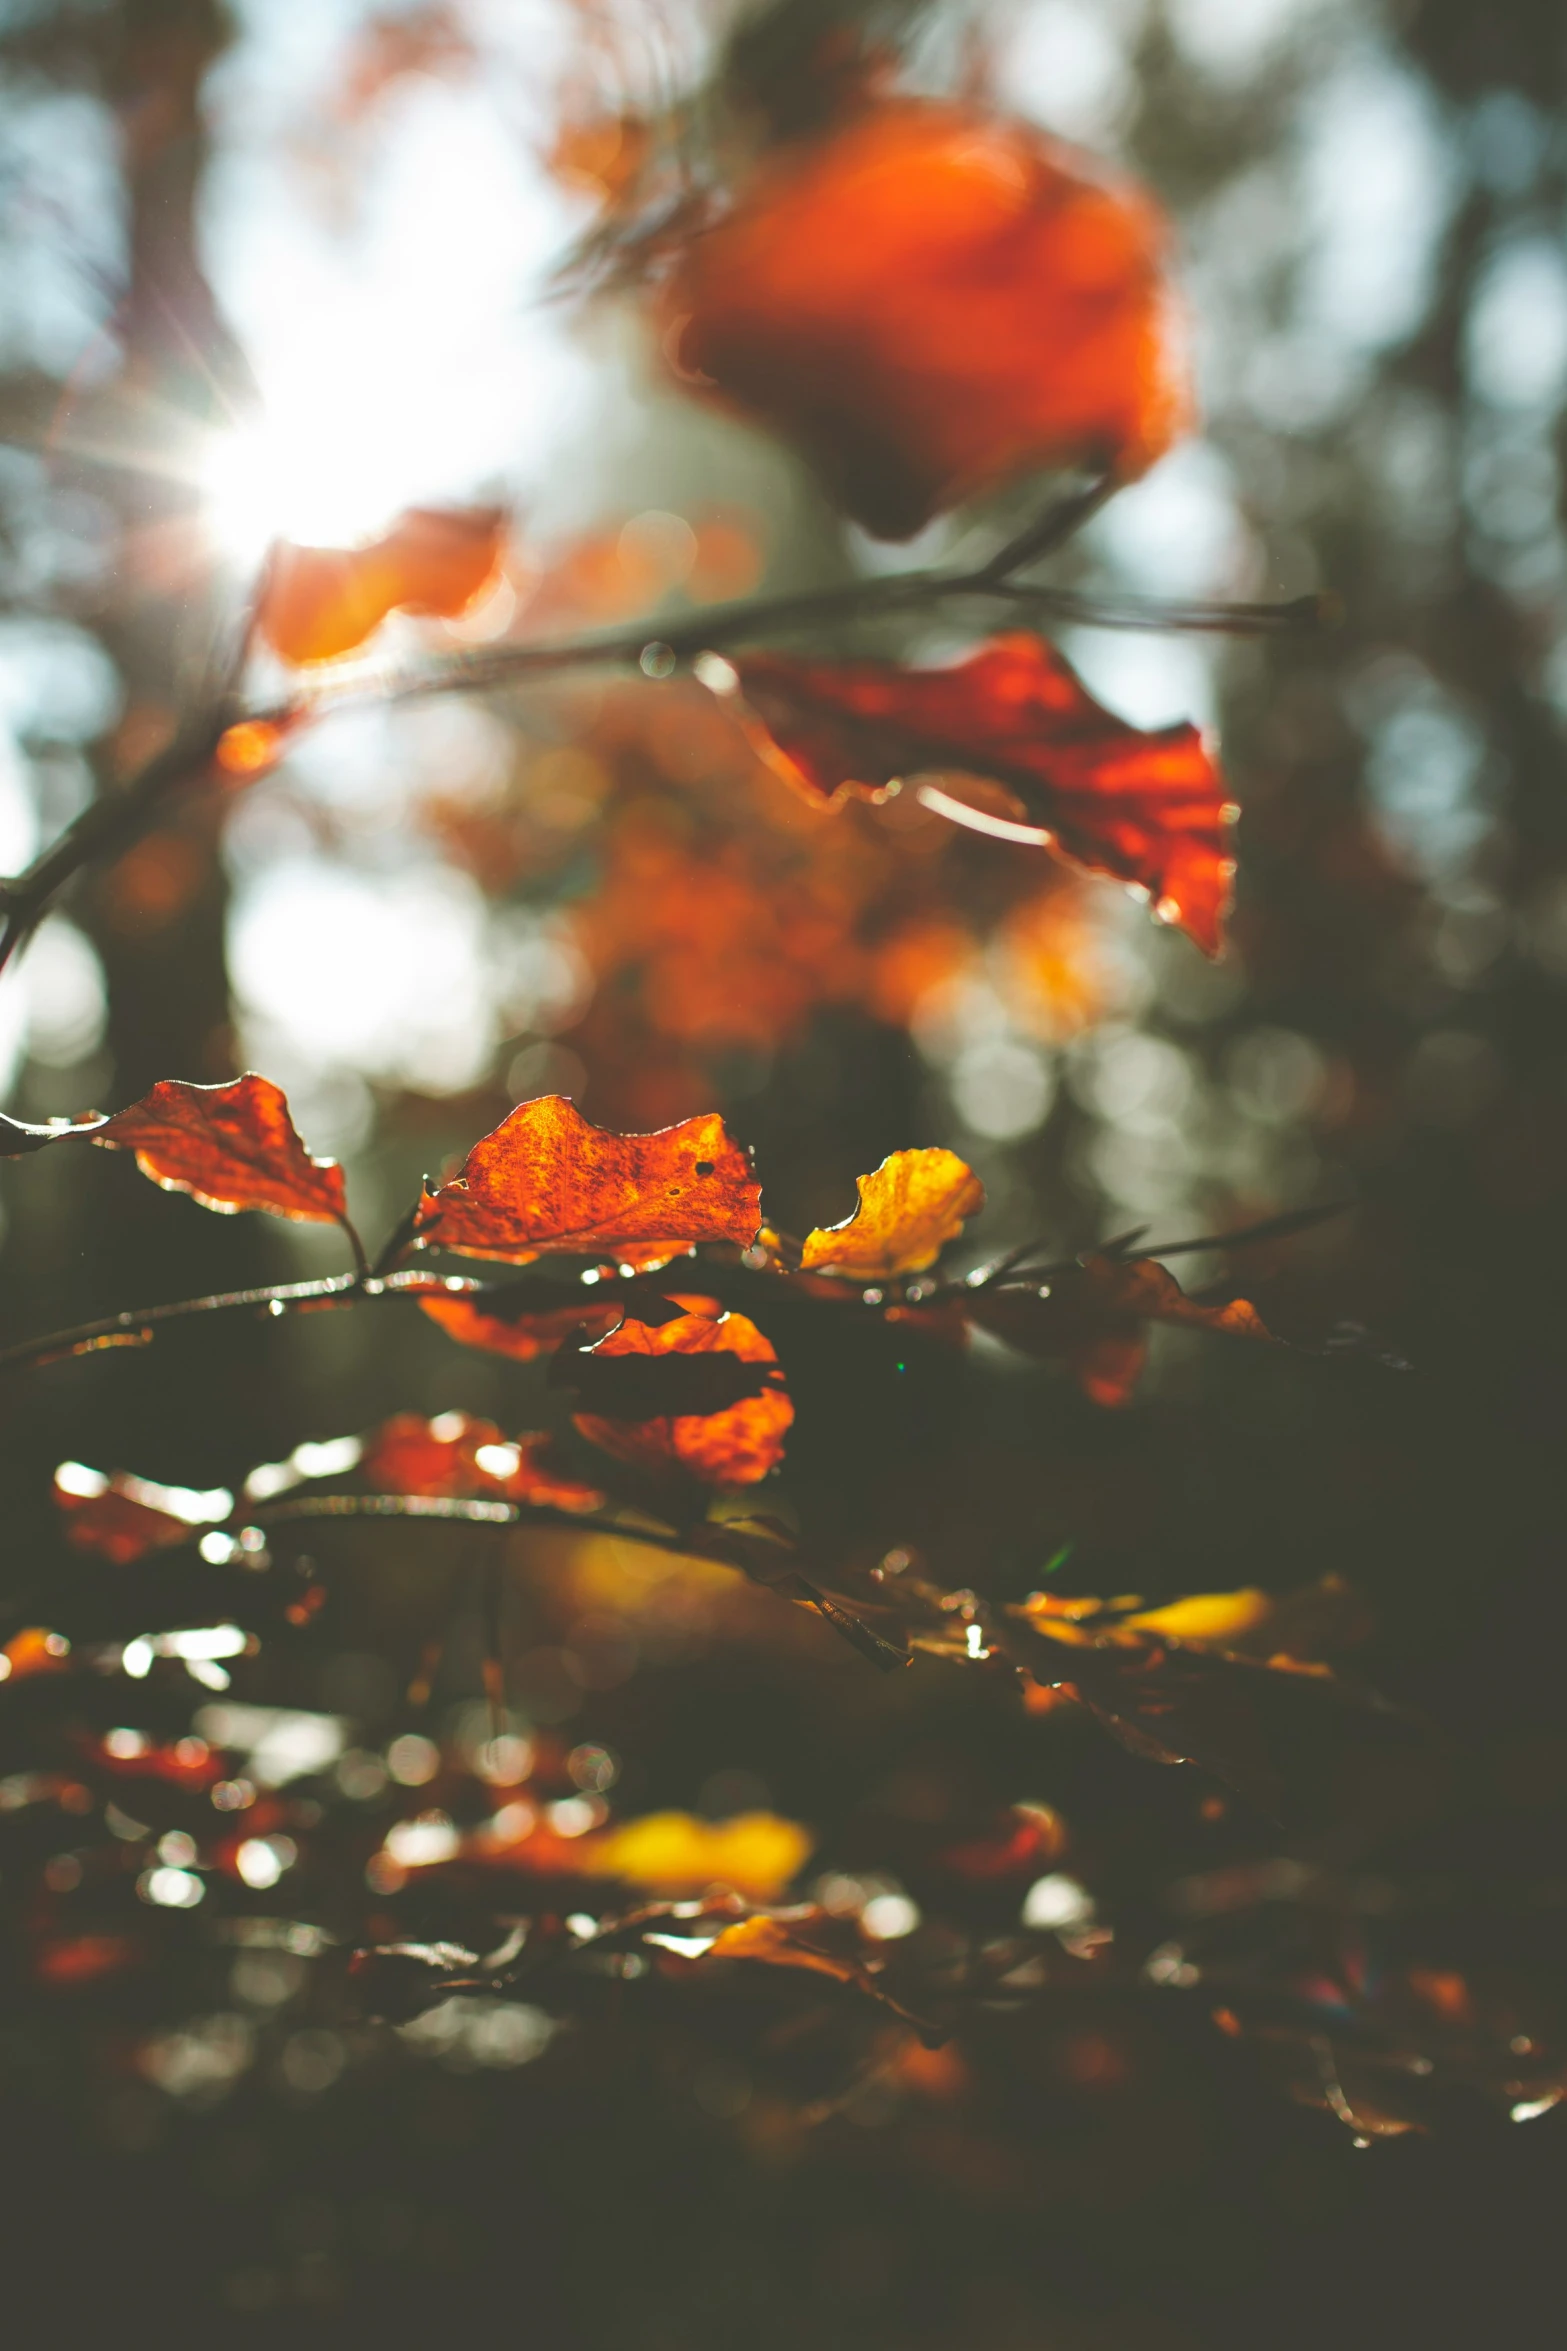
[928,301]
[120,1517]
[524,1337]
[1148,809]
[732,1447]
[230,1147]
[460,1455]
[547,1180]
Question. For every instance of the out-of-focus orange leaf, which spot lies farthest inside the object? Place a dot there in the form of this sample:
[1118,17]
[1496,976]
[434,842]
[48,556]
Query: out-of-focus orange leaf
[250,747]
[930,300]
[230,1147]
[756,1853]
[526,1336]
[35,1649]
[734,1446]
[909,1209]
[122,1517]
[1093,1315]
[1028,1837]
[547,1180]
[458,1454]
[322,602]
[70,1960]
[1148,809]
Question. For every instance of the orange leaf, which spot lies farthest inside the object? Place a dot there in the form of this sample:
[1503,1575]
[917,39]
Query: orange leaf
[122,1517]
[1093,1316]
[732,1447]
[806,1943]
[910,1208]
[322,602]
[230,1147]
[1147,809]
[459,1455]
[547,1180]
[929,301]
[523,1337]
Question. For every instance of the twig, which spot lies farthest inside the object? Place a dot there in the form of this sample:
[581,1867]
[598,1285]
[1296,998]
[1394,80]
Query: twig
[692,1542]
[137,1327]
[114,821]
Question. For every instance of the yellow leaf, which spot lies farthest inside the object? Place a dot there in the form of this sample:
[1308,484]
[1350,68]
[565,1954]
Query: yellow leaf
[913,1205]
[677,1853]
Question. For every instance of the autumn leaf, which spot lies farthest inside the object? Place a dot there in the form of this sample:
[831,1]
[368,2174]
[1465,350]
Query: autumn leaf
[120,1518]
[807,1943]
[459,1454]
[756,1853]
[732,1446]
[18,1140]
[523,1335]
[322,602]
[547,1180]
[909,1209]
[231,1147]
[1093,1315]
[929,301]
[1149,809]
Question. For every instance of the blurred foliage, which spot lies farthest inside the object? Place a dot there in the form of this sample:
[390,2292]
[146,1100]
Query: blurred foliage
[1175,2017]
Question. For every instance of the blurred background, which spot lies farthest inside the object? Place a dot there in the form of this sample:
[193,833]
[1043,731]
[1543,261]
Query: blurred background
[297,266]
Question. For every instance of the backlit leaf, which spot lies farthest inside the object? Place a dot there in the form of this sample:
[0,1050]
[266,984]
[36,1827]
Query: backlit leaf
[523,1336]
[733,1446]
[547,1180]
[232,1146]
[1149,809]
[929,300]
[458,1454]
[810,1944]
[322,602]
[756,1853]
[910,1208]
[121,1517]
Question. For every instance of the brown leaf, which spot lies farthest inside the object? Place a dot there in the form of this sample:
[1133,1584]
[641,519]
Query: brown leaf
[1093,1315]
[458,1454]
[1148,809]
[929,300]
[732,1447]
[231,1147]
[909,1209]
[547,1180]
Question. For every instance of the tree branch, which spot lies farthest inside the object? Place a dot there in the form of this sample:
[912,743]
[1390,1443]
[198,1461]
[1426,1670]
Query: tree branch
[113,822]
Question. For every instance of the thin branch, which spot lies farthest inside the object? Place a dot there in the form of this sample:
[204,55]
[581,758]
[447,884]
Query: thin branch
[138,1326]
[694,1542]
[113,822]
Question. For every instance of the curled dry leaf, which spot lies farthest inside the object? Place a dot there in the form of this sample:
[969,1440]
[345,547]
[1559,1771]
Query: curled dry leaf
[1149,809]
[121,1517]
[231,1147]
[322,602]
[458,1454]
[812,1943]
[733,1446]
[1094,1316]
[909,1209]
[547,1180]
[929,300]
